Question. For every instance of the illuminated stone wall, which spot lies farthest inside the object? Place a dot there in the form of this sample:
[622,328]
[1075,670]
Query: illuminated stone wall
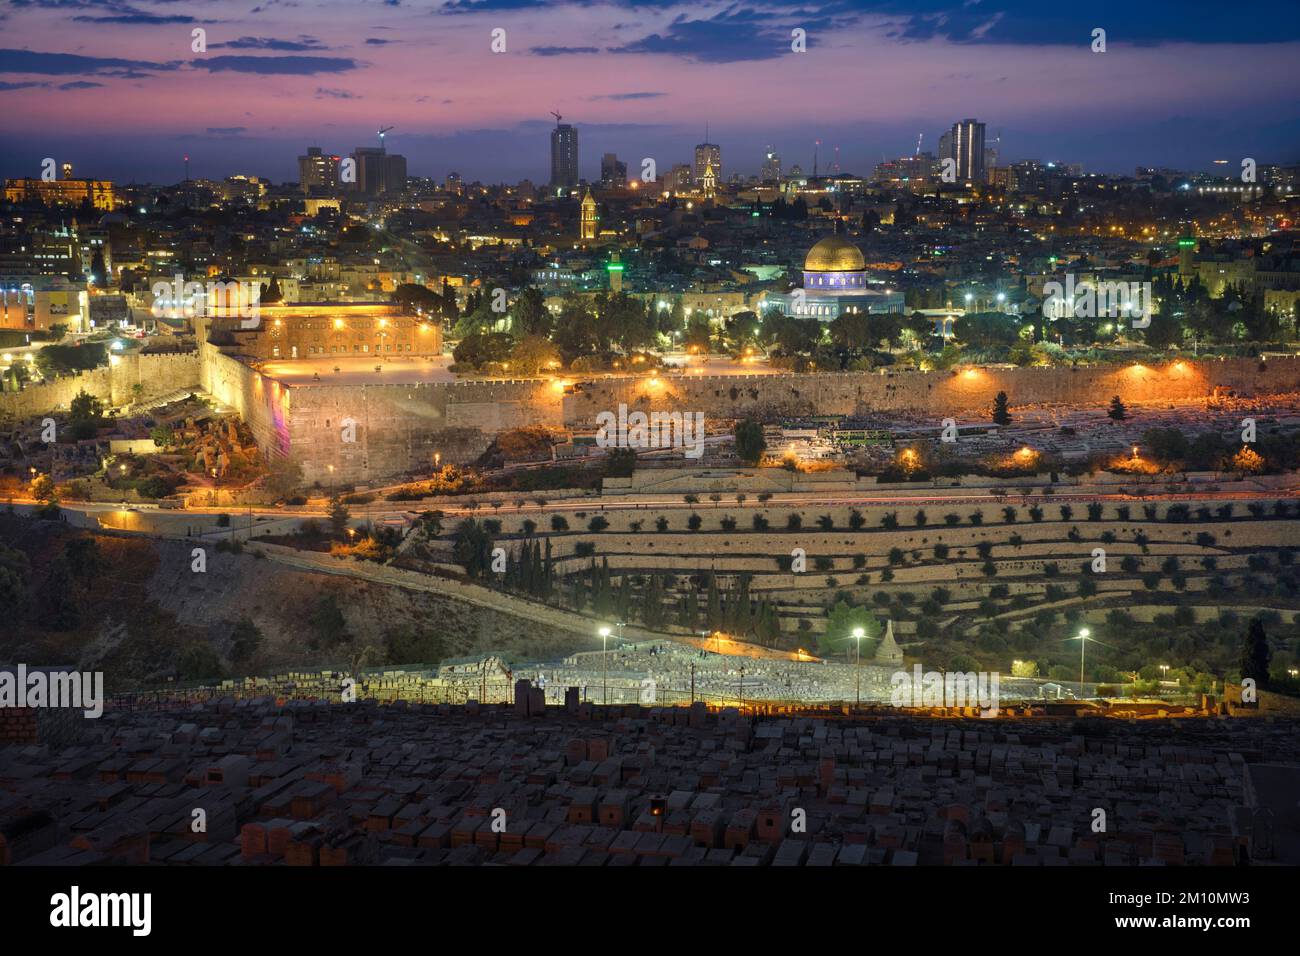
[961,394]
[157,375]
[398,429]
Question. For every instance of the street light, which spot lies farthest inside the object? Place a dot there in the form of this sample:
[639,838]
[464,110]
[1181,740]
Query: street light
[1083,644]
[858,634]
[604,658]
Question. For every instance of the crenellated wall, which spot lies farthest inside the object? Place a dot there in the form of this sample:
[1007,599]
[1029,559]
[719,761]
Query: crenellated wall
[966,392]
[157,375]
[398,429]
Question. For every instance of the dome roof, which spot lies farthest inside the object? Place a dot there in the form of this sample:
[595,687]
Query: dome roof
[834,254]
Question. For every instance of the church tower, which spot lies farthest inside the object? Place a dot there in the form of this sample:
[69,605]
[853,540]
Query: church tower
[709,181]
[587,222]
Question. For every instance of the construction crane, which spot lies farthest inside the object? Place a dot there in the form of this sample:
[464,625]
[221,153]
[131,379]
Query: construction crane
[382,131]
[557,116]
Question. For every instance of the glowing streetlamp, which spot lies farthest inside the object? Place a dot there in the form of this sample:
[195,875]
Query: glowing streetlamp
[858,634]
[1083,645]
[604,656]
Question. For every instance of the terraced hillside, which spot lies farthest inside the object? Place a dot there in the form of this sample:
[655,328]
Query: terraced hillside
[990,578]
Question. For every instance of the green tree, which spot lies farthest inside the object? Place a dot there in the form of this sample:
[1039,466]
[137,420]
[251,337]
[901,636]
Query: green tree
[1001,414]
[1255,654]
[198,661]
[472,547]
[98,269]
[750,443]
[413,645]
[841,621]
[85,559]
[43,490]
[339,516]
[328,627]
[86,413]
[60,604]
[1117,411]
[245,641]
[530,315]
[533,354]
[283,476]
[15,577]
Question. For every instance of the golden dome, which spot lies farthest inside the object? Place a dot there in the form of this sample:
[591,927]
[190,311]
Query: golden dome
[834,254]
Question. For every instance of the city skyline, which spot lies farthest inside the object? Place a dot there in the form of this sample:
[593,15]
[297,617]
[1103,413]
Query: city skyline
[634,80]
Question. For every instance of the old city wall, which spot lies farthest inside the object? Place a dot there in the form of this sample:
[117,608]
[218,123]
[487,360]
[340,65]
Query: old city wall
[261,402]
[399,429]
[960,393]
[114,384]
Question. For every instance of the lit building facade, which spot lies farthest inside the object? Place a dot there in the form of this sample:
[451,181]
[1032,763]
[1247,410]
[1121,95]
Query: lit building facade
[374,330]
[317,172]
[68,192]
[967,139]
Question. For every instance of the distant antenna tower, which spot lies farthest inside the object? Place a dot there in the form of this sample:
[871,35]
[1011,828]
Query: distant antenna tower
[816,145]
[187,169]
[835,166]
[382,131]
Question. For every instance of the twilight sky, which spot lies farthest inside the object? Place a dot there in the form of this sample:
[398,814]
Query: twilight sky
[113,86]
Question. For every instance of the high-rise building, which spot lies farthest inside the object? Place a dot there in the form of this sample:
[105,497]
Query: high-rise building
[968,150]
[771,167]
[679,180]
[379,171]
[395,173]
[317,172]
[707,154]
[612,172]
[564,156]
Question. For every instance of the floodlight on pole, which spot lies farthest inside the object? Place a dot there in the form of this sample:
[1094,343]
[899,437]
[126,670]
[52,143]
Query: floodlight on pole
[604,658]
[1083,645]
[858,634]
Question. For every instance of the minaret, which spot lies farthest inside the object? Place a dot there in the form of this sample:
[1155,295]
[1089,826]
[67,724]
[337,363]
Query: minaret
[587,222]
[615,269]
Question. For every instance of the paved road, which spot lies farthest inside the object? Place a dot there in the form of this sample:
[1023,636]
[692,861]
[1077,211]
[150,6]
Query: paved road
[150,517]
